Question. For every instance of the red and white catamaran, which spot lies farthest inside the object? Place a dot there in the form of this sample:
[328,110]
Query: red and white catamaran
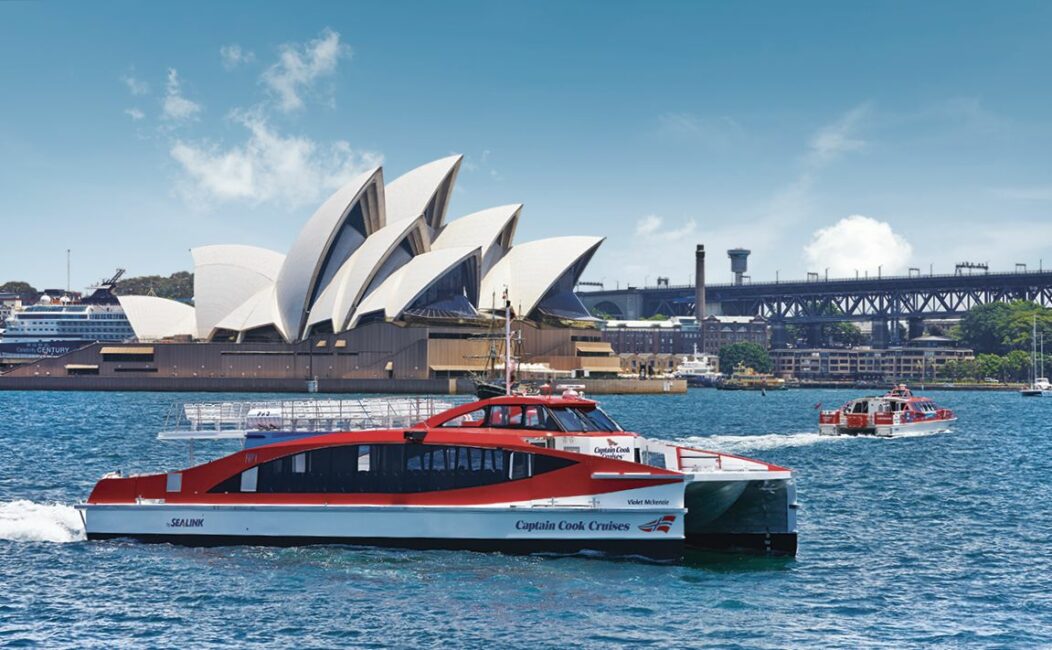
[897,412]
[529,474]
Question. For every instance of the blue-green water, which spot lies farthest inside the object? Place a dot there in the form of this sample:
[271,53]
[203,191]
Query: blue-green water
[940,540]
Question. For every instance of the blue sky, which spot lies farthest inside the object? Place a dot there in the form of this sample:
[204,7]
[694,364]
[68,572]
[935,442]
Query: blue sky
[840,135]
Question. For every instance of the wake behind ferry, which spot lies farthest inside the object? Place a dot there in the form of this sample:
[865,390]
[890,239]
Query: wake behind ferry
[524,474]
[897,412]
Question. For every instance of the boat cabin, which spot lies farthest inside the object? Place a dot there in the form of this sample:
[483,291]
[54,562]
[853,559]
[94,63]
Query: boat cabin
[571,424]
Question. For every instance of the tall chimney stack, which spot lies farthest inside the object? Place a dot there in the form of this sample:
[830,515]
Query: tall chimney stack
[699,283]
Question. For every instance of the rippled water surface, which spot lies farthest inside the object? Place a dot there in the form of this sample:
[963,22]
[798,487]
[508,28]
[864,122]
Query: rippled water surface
[941,540]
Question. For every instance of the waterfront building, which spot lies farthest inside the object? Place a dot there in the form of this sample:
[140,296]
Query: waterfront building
[721,331]
[676,335]
[680,334]
[911,363]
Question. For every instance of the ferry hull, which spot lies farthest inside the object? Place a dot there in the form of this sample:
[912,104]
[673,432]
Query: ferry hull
[652,534]
[889,430]
[754,517]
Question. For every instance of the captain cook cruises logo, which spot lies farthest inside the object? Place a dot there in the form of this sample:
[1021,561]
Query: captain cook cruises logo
[664,524]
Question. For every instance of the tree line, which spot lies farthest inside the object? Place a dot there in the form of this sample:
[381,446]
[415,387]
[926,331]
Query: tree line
[177,286]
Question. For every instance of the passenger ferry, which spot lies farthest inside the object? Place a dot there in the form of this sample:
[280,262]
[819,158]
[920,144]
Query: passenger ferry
[52,327]
[745,378]
[897,412]
[522,474]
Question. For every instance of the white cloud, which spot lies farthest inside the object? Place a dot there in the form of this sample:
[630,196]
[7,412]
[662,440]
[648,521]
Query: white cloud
[134,113]
[719,132]
[135,86]
[838,138]
[300,66]
[233,56]
[858,242]
[175,106]
[268,167]
[652,228]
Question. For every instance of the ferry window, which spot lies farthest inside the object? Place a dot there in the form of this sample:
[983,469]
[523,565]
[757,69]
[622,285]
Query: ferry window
[505,416]
[388,468]
[600,421]
[520,465]
[520,417]
[476,418]
[654,458]
[542,464]
[570,421]
[248,479]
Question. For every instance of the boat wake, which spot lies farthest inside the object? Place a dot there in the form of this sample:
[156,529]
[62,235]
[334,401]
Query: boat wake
[777,440]
[752,443]
[25,521]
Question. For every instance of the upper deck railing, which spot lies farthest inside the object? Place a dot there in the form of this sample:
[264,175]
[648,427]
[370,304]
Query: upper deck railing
[218,420]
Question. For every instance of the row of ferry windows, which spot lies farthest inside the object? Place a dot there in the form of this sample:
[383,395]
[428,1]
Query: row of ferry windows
[536,416]
[389,468]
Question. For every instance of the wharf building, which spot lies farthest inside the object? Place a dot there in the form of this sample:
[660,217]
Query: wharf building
[378,285]
[680,334]
[922,362]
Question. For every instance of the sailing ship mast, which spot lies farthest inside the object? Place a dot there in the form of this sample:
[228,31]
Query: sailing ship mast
[1033,354]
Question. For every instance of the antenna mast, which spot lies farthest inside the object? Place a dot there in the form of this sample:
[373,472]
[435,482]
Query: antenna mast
[507,343]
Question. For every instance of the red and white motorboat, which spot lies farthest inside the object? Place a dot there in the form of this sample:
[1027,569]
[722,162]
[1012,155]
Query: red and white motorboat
[898,412]
[531,474]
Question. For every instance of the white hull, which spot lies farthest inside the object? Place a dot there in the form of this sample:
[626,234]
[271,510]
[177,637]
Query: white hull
[890,430]
[537,529]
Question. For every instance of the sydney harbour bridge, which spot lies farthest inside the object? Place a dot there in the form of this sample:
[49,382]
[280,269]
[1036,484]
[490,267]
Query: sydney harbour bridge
[908,300]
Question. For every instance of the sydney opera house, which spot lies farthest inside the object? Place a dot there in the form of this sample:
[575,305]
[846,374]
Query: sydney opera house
[380,283]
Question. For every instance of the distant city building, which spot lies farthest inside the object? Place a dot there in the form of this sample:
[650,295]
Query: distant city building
[680,334]
[891,364]
[676,335]
[721,331]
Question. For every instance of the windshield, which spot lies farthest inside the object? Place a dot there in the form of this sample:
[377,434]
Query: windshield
[600,420]
[572,421]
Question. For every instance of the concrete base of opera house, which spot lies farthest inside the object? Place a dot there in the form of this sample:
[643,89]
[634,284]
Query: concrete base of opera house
[375,358]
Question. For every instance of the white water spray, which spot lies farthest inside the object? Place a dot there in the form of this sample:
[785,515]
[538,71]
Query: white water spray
[738,444]
[25,521]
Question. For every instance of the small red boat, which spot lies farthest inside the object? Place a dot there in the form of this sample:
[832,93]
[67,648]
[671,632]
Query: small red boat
[897,412]
[517,473]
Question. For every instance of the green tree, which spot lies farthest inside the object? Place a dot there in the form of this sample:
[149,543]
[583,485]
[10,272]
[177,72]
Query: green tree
[983,327]
[961,369]
[177,286]
[17,287]
[1016,366]
[989,365]
[999,328]
[751,355]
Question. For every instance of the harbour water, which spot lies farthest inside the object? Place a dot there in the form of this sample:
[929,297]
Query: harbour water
[940,540]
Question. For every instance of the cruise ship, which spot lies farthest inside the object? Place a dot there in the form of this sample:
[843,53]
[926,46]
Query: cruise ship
[52,328]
